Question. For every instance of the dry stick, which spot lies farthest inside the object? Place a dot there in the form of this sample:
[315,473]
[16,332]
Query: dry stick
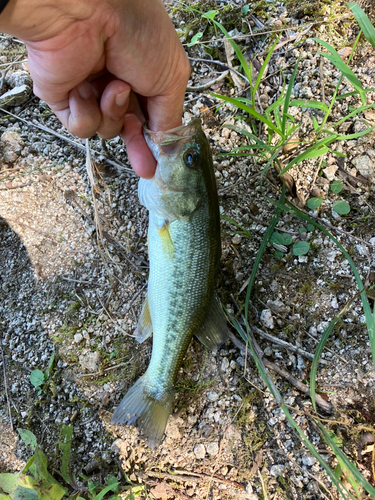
[6,389]
[219,63]
[296,383]
[285,344]
[66,139]
[205,86]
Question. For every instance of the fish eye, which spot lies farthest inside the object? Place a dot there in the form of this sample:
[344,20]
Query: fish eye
[191,158]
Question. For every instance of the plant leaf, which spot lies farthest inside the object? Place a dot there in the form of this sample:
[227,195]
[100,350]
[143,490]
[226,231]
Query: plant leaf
[28,438]
[313,203]
[336,186]
[341,207]
[301,248]
[304,103]
[195,38]
[364,22]
[37,378]
[336,60]
[65,443]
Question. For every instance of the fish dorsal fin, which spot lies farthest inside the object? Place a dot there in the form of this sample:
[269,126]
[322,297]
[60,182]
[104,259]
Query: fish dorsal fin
[166,239]
[144,326]
[214,331]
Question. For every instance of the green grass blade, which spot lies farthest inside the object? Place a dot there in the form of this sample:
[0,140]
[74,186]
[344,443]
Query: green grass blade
[249,110]
[249,135]
[353,113]
[365,303]
[249,235]
[264,65]
[304,103]
[318,353]
[287,96]
[312,152]
[336,60]
[350,94]
[267,236]
[354,136]
[237,50]
[364,22]
[347,463]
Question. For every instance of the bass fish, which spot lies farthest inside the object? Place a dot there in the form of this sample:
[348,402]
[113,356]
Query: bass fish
[184,254]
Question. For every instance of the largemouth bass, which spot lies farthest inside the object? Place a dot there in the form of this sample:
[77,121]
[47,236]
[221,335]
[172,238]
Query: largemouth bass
[184,254]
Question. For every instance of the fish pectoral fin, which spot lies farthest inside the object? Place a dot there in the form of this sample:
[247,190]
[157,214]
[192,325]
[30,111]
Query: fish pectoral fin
[214,330]
[166,239]
[144,326]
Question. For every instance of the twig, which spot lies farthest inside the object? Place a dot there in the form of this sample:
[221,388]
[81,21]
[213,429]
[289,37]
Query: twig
[285,344]
[6,389]
[17,187]
[205,86]
[219,63]
[128,306]
[68,140]
[274,367]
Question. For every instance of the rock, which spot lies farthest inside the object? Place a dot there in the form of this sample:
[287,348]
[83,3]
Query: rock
[77,338]
[213,449]
[309,461]
[212,396]
[199,451]
[89,361]
[16,96]
[162,491]
[172,429]
[364,165]
[330,172]
[18,78]
[12,144]
[277,470]
[277,306]
[224,365]
[236,239]
[267,319]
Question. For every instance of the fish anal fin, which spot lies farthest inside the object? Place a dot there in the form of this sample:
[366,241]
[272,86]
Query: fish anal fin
[166,239]
[214,330]
[144,326]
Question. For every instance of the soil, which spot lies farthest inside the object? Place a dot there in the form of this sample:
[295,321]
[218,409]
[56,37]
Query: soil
[63,293]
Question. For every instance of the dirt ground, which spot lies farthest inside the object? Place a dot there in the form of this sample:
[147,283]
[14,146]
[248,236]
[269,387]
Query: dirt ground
[62,293]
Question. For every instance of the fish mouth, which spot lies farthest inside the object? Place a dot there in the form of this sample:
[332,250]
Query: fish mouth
[164,138]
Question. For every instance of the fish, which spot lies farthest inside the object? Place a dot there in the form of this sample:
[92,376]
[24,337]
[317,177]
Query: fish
[184,255]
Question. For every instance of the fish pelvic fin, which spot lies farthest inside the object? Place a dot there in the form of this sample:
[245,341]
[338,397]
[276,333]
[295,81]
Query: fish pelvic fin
[214,330]
[144,326]
[141,408]
[166,239]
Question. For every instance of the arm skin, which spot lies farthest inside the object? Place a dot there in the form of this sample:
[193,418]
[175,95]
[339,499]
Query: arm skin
[104,66]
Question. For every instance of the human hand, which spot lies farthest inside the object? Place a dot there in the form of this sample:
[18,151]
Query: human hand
[105,66]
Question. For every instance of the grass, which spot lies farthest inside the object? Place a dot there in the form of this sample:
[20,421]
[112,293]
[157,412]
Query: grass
[271,131]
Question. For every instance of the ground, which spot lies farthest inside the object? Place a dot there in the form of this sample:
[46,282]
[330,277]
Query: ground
[64,293]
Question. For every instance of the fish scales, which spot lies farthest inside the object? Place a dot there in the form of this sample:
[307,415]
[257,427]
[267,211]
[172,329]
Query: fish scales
[184,254]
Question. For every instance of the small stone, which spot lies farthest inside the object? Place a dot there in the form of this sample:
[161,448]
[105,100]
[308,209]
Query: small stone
[213,449]
[267,319]
[12,145]
[224,365]
[24,414]
[277,470]
[212,396]
[89,361]
[16,96]
[364,165]
[18,78]
[199,451]
[236,239]
[330,172]
[309,461]
[277,306]
[77,338]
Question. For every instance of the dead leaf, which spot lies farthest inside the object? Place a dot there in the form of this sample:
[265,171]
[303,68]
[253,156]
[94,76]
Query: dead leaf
[345,52]
[162,491]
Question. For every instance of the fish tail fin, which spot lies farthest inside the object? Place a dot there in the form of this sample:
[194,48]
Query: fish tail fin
[148,413]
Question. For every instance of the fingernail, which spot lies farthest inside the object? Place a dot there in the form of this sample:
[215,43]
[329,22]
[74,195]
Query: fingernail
[84,90]
[121,99]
